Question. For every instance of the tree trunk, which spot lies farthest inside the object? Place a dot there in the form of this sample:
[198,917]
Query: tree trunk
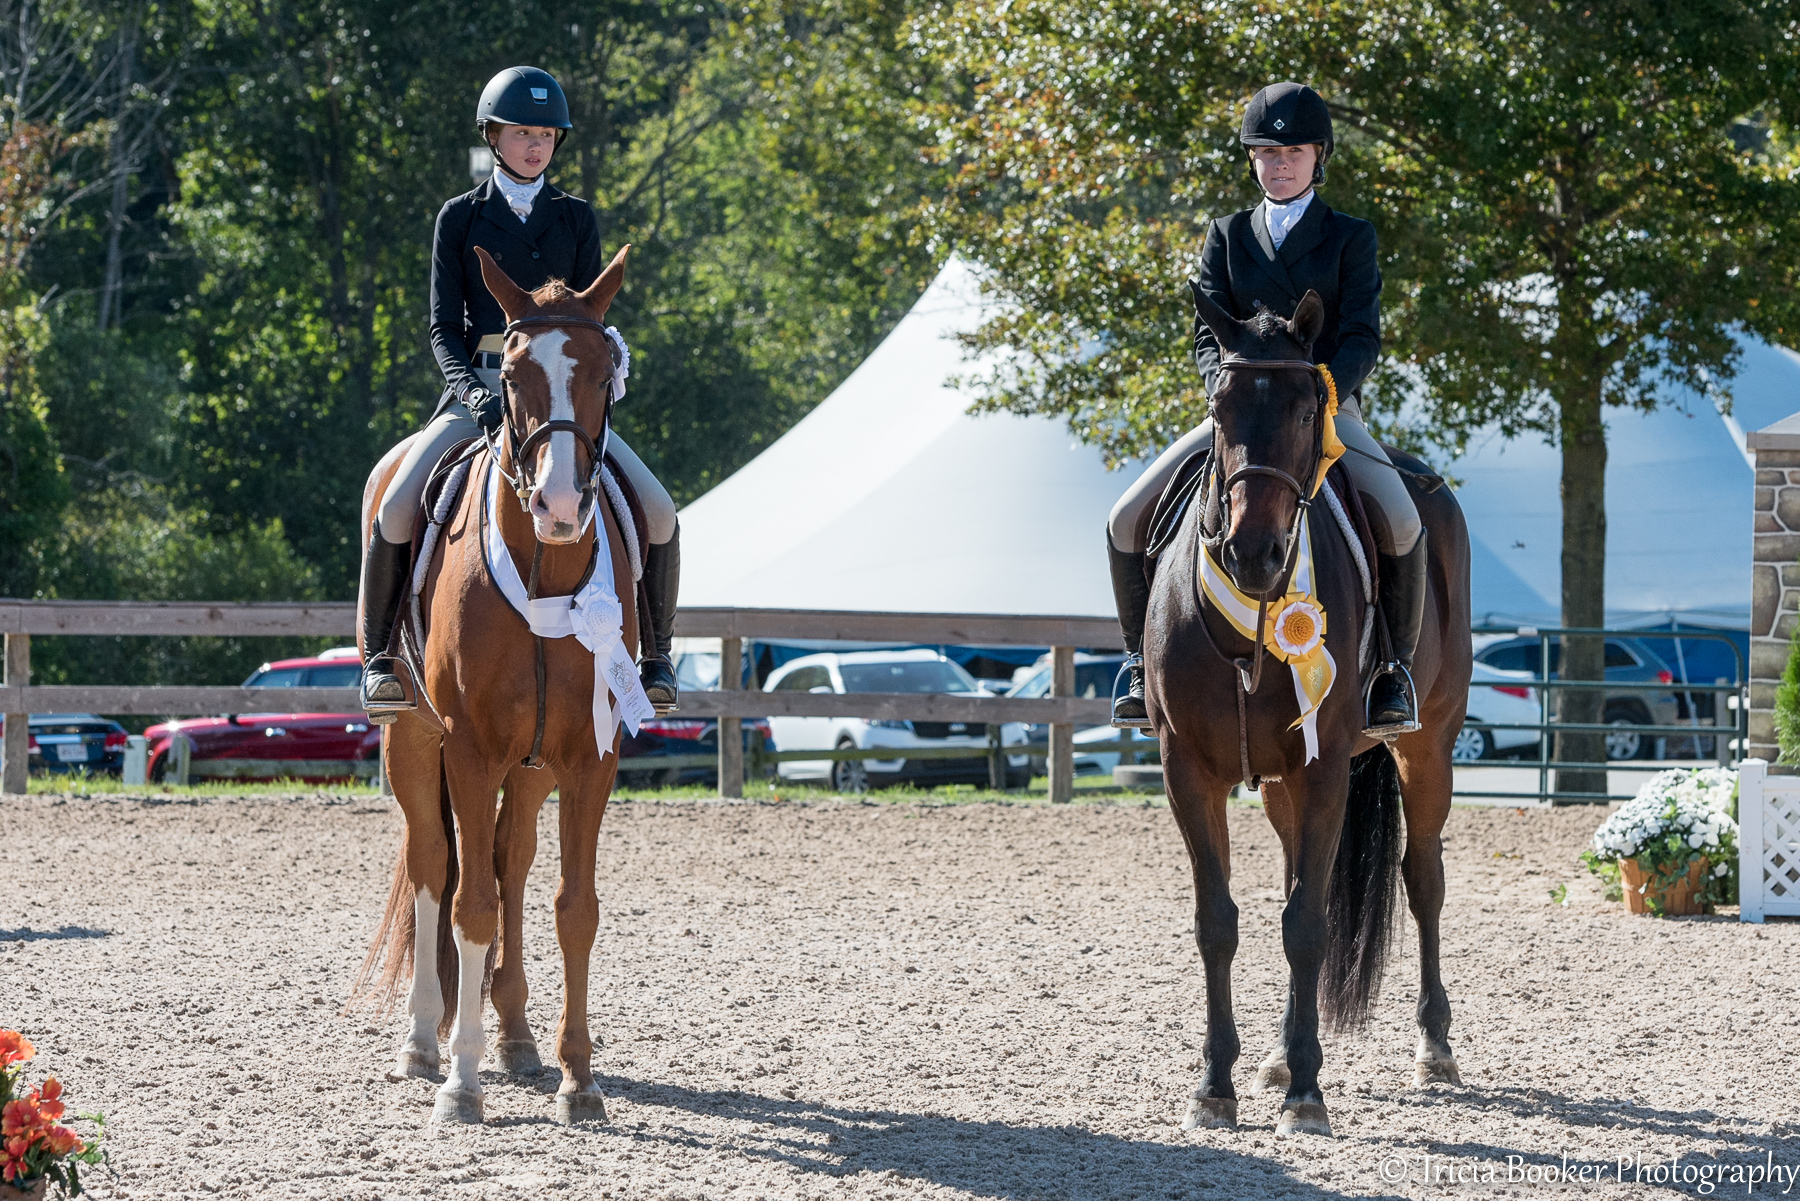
[1583,575]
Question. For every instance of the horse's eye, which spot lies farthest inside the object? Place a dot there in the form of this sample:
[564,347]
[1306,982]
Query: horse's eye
[1306,418]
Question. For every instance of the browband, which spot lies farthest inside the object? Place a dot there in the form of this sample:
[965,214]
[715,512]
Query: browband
[547,319]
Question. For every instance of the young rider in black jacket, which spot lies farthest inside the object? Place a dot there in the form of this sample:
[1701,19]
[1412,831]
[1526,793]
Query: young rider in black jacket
[1271,255]
[536,233]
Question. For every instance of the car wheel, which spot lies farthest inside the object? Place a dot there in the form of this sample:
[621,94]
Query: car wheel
[1472,745]
[1623,742]
[1018,778]
[847,775]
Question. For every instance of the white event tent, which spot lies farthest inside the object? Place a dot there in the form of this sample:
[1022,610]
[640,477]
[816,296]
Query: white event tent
[890,496]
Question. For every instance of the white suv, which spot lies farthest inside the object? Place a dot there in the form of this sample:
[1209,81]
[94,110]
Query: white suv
[909,671]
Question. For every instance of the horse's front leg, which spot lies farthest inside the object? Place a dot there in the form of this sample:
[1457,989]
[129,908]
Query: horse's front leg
[1272,1072]
[1317,796]
[474,780]
[410,757]
[515,847]
[585,790]
[1426,784]
[1198,803]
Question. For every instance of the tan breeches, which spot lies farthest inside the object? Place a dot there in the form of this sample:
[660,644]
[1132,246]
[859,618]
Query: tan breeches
[1393,514]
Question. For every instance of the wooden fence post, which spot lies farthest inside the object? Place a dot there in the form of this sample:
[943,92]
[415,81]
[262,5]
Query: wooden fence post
[731,729]
[16,772]
[996,760]
[1062,735]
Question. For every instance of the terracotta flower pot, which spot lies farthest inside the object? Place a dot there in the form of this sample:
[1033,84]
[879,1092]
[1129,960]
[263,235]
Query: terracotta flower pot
[34,1193]
[1682,899]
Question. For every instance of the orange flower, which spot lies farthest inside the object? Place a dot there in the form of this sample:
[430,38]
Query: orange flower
[62,1141]
[12,1171]
[20,1117]
[14,1048]
[51,1090]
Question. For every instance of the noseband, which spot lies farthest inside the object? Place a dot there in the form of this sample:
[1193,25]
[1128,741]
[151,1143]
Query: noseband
[519,449]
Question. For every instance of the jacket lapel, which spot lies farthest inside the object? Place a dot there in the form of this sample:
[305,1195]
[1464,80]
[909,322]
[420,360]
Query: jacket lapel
[543,212]
[1306,235]
[1264,249]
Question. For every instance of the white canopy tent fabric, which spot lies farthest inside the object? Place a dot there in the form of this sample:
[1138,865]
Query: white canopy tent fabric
[890,496]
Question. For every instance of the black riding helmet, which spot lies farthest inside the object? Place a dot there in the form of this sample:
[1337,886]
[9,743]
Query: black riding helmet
[1289,114]
[523,96]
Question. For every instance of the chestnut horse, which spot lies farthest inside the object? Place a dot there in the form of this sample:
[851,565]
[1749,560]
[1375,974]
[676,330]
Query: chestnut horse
[1339,824]
[461,873]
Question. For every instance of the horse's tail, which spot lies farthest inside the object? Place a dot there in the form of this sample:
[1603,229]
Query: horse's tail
[1365,889]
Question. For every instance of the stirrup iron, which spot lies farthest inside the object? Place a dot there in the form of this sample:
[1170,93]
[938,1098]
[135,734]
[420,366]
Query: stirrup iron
[385,710]
[1129,720]
[1392,731]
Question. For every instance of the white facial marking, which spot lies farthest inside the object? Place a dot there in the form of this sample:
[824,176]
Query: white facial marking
[426,1004]
[467,1041]
[561,492]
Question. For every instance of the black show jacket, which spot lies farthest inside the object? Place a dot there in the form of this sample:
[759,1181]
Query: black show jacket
[561,240]
[1330,253]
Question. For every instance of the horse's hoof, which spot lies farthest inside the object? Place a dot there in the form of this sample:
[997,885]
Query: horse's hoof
[1211,1113]
[413,1065]
[457,1105]
[1437,1070]
[580,1107]
[1303,1117]
[1271,1073]
[518,1057]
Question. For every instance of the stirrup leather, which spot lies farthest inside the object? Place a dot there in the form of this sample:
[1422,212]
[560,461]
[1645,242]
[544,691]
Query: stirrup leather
[1393,729]
[1129,711]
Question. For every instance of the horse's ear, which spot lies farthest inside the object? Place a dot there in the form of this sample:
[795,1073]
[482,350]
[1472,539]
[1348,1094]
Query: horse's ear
[600,294]
[513,299]
[1226,328]
[1309,319]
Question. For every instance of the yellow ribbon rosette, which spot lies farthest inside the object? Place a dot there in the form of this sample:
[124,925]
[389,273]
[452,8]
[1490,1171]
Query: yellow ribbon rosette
[1294,632]
[1332,449]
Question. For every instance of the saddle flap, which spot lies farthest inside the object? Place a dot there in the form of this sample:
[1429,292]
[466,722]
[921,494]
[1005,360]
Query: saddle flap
[1165,517]
[639,521]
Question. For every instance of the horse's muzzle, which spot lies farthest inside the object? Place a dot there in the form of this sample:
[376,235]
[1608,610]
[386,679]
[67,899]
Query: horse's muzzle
[1255,561]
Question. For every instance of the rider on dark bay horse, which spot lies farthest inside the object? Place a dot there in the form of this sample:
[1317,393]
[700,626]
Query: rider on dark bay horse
[536,232]
[1268,257]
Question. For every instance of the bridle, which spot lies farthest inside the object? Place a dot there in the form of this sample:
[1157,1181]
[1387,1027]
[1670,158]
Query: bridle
[519,450]
[1250,673]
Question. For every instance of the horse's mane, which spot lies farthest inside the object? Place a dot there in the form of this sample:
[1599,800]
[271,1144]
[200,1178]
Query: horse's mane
[1265,324]
[554,291]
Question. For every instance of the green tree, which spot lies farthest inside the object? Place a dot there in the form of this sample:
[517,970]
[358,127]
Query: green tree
[1575,205]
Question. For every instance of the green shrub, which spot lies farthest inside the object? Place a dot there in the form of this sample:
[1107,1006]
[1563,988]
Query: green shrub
[1787,705]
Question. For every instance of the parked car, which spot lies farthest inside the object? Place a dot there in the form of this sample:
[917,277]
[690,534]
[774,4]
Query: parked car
[661,737]
[906,671]
[1504,698]
[65,742]
[1628,660]
[322,746]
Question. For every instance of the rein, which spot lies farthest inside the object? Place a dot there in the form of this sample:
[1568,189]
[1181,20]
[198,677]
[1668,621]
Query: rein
[1249,670]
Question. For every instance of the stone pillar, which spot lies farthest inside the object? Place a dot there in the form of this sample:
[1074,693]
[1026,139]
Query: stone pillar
[1775,584]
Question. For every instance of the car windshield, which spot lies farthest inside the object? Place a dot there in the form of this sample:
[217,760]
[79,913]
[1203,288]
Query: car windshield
[280,677]
[347,675]
[698,672]
[929,675]
[1528,656]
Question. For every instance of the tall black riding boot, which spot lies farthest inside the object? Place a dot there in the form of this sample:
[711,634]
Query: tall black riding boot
[1131,593]
[662,583]
[385,571]
[1393,704]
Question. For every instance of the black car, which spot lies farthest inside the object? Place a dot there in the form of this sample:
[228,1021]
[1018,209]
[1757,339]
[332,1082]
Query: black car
[65,742]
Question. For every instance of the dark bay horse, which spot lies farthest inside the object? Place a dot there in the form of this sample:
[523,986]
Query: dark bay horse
[1338,816]
[468,847]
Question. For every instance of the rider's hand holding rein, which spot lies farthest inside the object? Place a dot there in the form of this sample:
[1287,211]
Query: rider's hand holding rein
[537,233]
[1269,257]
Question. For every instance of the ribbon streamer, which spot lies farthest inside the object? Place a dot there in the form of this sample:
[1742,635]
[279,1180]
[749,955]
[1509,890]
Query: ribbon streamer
[592,616]
[1295,633]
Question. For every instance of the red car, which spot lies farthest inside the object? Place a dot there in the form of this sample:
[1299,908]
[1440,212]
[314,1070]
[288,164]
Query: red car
[303,746]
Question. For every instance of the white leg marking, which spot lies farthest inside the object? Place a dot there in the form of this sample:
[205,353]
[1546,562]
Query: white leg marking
[418,1055]
[467,1041]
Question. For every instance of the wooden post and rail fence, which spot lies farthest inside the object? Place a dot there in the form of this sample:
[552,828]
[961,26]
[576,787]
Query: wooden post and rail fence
[20,620]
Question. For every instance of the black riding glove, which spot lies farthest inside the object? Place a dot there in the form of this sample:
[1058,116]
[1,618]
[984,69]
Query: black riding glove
[487,409]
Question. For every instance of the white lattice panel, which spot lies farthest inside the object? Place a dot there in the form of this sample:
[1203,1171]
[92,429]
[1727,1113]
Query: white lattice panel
[1768,843]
